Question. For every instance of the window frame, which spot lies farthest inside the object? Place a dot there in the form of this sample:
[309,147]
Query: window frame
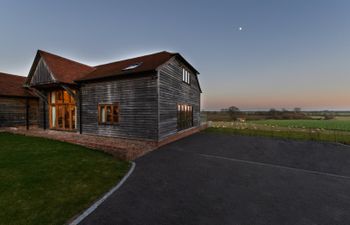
[112,115]
[186,76]
[184,116]
[57,108]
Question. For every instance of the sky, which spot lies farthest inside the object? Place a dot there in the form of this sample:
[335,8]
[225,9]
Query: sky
[288,54]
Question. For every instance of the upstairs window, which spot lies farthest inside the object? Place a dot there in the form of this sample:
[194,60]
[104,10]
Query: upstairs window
[108,113]
[186,76]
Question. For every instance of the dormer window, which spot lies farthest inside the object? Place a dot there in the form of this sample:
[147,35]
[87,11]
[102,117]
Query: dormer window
[186,76]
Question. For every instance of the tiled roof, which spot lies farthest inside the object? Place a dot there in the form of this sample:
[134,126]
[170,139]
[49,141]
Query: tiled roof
[145,63]
[64,70]
[69,71]
[12,85]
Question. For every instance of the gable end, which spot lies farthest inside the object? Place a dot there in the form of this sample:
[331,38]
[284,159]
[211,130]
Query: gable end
[42,74]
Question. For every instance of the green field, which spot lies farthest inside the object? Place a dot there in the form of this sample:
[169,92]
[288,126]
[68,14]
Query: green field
[48,182]
[340,124]
[335,130]
[342,137]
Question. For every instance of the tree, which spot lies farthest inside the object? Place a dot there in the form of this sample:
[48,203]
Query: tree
[297,110]
[273,111]
[233,112]
[329,116]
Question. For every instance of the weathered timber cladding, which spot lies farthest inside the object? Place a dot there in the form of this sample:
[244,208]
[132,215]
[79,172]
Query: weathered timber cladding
[41,75]
[147,102]
[13,111]
[173,91]
[137,98]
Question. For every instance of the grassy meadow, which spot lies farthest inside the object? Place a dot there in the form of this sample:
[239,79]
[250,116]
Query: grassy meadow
[339,123]
[304,135]
[285,124]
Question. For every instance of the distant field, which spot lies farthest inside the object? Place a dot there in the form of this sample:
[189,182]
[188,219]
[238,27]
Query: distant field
[337,130]
[339,123]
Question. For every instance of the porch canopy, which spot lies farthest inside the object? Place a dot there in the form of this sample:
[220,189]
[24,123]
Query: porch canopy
[51,78]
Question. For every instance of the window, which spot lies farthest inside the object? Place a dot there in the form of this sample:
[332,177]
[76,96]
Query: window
[108,113]
[62,110]
[133,66]
[186,76]
[184,116]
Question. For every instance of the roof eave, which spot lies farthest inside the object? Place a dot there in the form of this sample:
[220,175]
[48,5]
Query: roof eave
[186,62]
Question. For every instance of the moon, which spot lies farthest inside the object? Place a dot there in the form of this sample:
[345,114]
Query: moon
[240,28]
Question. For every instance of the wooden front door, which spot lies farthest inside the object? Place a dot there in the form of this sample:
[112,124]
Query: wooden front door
[62,111]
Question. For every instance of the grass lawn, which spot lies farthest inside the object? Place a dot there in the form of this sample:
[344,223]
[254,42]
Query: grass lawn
[336,124]
[48,182]
[287,134]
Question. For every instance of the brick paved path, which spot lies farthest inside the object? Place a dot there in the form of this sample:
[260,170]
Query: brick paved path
[126,149]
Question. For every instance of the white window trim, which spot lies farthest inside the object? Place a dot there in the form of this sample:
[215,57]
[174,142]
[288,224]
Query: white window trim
[186,76]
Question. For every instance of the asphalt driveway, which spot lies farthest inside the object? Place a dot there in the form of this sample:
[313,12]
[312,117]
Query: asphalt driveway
[224,179]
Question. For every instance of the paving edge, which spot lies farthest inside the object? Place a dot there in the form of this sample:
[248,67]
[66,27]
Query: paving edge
[94,206]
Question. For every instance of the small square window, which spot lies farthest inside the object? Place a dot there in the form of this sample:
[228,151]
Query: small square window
[108,113]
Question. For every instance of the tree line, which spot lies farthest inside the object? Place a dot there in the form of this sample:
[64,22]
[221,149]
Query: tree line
[235,113]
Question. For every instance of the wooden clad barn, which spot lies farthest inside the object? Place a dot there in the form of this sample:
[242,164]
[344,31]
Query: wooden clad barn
[18,107]
[149,97]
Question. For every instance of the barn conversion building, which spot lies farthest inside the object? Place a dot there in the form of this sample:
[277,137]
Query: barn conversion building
[151,97]
[18,106]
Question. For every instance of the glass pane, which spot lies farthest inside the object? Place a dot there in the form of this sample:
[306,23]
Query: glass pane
[53,116]
[72,100]
[115,114]
[66,97]
[53,97]
[109,113]
[60,117]
[59,96]
[103,114]
[73,114]
[183,74]
[66,117]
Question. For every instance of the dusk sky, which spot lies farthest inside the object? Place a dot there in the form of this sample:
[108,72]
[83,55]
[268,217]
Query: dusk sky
[287,54]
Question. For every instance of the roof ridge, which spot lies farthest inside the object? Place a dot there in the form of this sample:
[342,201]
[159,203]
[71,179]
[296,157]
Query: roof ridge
[133,58]
[71,60]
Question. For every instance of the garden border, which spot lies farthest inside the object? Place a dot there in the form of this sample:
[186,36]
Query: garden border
[94,206]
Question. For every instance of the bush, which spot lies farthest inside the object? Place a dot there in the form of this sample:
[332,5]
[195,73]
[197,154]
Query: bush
[329,117]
